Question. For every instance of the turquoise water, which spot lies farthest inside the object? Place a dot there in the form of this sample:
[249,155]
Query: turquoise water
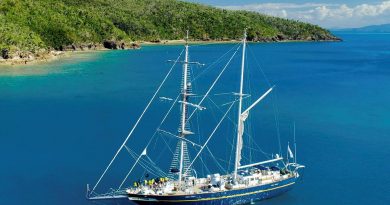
[61,122]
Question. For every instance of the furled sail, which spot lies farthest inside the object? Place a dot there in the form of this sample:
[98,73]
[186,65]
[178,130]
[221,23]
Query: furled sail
[239,142]
[244,116]
[290,152]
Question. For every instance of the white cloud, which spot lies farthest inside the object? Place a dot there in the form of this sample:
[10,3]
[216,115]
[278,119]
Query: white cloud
[328,15]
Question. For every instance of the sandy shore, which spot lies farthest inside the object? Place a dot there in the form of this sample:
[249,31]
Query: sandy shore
[54,55]
[34,59]
[181,42]
[47,57]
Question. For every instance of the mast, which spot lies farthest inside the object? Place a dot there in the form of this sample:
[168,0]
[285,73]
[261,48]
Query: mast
[295,146]
[184,132]
[240,124]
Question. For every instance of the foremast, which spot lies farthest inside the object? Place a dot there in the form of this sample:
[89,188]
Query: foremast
[185,94]
[240,123]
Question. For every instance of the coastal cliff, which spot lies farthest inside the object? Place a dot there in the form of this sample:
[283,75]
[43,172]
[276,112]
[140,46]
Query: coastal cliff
[31,29]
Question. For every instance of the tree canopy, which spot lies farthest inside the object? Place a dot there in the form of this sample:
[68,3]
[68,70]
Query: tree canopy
[34,24]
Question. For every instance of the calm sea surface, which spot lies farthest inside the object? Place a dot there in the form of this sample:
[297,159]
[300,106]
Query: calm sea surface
[61,122]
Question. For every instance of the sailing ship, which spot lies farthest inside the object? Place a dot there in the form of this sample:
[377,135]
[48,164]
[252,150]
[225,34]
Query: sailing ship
[246,183]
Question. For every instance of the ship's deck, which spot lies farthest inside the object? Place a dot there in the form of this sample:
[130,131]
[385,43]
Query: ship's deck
[204,185]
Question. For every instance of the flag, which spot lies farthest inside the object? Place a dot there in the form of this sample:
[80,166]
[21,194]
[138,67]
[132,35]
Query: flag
[290,152]
[144,152]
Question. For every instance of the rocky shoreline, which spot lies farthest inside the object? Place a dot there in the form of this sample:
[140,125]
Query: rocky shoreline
[45,55]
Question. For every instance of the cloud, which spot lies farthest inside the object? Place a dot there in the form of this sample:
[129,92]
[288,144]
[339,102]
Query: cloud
[328,15]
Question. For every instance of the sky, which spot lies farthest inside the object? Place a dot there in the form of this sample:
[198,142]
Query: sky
[326,13]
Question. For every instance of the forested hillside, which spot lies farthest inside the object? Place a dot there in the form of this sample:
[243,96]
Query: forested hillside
[38,25]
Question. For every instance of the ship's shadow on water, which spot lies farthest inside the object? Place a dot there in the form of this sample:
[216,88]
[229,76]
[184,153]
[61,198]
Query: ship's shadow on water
[60,124]
[285,198]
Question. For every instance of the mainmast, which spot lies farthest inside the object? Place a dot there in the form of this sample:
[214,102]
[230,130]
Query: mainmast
[183,131]
[240,124]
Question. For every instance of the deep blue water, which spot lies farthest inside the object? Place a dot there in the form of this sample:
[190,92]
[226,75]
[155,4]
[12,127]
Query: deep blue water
[61,122]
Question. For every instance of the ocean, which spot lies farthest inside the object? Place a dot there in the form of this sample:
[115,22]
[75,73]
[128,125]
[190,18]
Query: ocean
[62,122]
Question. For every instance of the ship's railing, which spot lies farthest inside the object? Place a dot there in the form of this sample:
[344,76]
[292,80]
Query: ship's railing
[260,163]
[111,194]
[296,166]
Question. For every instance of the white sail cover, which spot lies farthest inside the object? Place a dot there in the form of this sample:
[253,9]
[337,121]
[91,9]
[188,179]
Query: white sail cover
[290,152]
[239,143]
[243,117]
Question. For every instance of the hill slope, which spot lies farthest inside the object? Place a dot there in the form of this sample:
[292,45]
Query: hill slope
[38,25]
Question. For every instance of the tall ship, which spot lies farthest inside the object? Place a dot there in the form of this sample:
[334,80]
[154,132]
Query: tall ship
[182,182]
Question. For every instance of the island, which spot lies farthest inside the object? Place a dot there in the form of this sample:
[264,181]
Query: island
[41,29]
[383,28]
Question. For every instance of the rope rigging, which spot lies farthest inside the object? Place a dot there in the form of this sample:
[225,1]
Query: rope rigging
[137,122]
[274,100]
[131,153]
[208,139]
[149,165]
[215,82]
[268,155]
[207,69]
